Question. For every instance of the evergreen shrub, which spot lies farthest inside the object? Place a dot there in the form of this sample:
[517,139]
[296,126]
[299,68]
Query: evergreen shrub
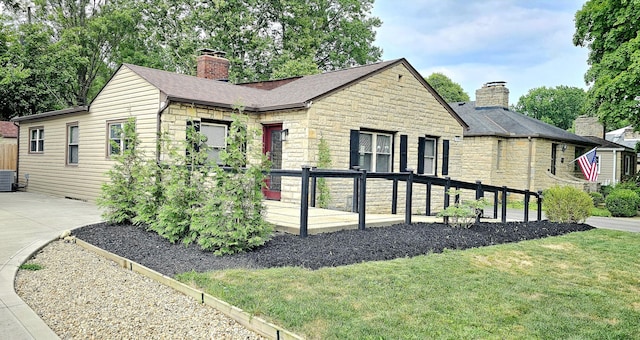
[622,203]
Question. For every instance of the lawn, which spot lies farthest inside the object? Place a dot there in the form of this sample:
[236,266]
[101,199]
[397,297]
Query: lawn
[576,286]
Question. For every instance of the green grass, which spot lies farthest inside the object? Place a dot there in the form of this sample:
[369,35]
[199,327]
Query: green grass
[603,212]
[533,205]
[577,286]
[31,266]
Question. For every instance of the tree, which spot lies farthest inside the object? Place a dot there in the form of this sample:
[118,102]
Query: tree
[558,106]
[448,90]
[609,29]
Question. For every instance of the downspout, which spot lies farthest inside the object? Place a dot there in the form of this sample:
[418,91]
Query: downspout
[615,160]
[529,163]
[17,156]
[158,127]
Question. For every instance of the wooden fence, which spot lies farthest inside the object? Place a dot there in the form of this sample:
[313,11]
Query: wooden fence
[8,157]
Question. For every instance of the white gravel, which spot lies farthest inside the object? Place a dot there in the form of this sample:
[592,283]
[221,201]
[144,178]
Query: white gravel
[81,295]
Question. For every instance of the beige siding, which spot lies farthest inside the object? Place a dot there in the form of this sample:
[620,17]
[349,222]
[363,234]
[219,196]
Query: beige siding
[126,95]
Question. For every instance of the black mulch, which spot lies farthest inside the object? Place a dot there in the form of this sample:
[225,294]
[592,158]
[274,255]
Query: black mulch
[316,251]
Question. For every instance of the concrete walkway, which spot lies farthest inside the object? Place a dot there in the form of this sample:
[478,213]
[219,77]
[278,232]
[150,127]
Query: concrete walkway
[28,221]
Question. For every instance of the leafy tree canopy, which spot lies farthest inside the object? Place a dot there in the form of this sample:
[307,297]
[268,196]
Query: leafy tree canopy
[558,106]
[610,30]
[450,91]
[87,39]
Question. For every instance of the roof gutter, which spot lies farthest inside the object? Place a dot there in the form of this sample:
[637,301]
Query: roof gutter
[254,108]
[75,109]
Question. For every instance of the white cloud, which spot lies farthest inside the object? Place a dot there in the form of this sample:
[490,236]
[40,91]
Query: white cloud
[528,44]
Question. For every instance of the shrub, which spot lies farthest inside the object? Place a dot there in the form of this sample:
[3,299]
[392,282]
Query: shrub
[629,185]
[117,197]
[464,213]
[324,161]
[605,190]
[231,219]
[598,198]
[622,202]
[567,204]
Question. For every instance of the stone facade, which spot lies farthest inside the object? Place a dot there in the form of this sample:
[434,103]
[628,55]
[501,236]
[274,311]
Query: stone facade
[493,94]
[589,126]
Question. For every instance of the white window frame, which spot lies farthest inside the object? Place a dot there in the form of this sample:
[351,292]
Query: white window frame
[598,163]
[375,155]
[71,144]
[120,141]
[432,157]
[213,151]
[36,145]
[627,165]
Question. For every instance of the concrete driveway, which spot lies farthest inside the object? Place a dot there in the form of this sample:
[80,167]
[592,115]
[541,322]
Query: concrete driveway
[28,221]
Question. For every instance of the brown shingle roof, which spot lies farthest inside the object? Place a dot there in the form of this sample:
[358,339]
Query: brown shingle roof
[8,130]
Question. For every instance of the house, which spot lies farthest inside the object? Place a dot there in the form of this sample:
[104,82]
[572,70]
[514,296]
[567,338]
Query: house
[382,117]
[616,161]
[506,148]
[8,145]
[628,137]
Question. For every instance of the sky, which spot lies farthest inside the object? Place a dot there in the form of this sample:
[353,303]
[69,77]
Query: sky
[527,43]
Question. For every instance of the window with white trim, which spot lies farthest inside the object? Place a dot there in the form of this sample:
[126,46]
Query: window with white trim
[36,140]
[375,151]
[72,143]
[598,163]
[216,139]
[116,142]
[429,159]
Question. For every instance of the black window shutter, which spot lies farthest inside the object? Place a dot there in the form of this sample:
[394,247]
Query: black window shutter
[445,157]
[403,152]
[421,155]
[354,146]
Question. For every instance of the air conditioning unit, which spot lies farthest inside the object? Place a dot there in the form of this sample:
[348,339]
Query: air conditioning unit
[6,180]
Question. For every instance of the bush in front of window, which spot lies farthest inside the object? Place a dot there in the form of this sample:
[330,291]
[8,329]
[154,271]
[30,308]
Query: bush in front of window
[324,162]
[623,203]
[231,219]
[118,197]
[567,204]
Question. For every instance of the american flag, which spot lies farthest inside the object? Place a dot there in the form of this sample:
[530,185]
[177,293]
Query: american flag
[589,165]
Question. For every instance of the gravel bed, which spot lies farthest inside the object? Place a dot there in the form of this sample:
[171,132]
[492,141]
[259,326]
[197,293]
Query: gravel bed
[81,295]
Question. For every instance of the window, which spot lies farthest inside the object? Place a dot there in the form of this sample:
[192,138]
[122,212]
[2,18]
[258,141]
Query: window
[554,156]
[627,165]
[36,140]
[499,154]
[116,141]
[216,139]
[72,143]
[598,162]
[427,147]
[375,151]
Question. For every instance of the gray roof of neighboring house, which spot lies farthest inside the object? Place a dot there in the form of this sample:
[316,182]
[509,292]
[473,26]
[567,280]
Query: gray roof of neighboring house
[71,110]
[501,122]
[605,144]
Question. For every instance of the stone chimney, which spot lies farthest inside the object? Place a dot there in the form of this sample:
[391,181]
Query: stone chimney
[589,126]
[212,65]
[493,94]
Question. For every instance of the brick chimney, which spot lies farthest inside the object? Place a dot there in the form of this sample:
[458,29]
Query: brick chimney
[493,94]
[212,65]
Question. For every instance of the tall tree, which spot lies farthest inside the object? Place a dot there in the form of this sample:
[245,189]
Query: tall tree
[449,90]
[610,30]
[557,106]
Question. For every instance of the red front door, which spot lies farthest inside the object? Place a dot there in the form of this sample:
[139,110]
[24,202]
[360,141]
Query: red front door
[272,147]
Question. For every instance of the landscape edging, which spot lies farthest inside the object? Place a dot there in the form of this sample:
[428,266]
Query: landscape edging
[253,323]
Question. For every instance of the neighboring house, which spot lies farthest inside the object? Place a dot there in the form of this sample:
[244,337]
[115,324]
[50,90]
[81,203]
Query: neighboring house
[8,133]
[615,160]
[627,137]
[503,147]
[382,117]
[8,146]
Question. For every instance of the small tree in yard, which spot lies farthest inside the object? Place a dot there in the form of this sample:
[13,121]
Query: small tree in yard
[231,220]
[118,197]
[184,188]
[324,161]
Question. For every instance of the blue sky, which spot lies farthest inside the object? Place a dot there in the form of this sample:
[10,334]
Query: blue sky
[526,43]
